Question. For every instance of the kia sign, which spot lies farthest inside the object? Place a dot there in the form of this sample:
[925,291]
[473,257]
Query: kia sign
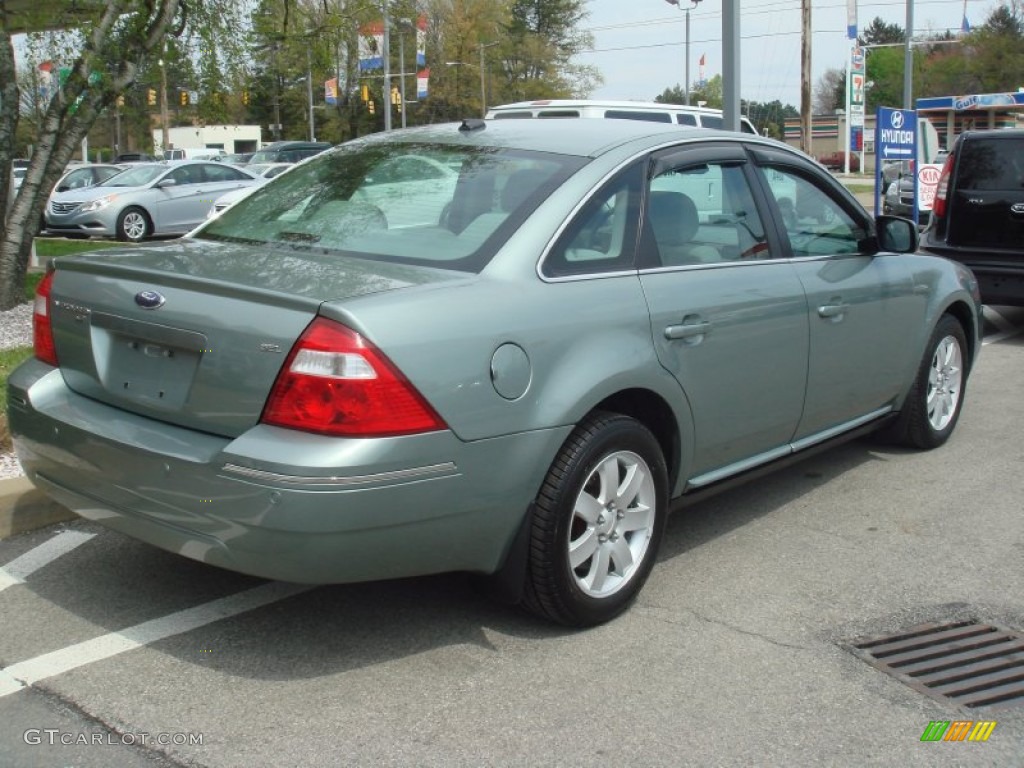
[927,181]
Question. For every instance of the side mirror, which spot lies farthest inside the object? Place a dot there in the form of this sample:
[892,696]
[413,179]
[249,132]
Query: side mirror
[896,234]
[167,183]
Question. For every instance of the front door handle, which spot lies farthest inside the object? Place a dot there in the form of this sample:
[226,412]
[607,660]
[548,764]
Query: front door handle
[687,330]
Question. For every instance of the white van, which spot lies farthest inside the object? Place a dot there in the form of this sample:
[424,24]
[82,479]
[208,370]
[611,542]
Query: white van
[653,111]
[193,153]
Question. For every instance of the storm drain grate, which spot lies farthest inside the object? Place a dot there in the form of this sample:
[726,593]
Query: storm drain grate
[970,664]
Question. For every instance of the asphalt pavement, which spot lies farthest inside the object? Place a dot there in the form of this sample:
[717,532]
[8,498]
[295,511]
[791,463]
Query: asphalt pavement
[736,653]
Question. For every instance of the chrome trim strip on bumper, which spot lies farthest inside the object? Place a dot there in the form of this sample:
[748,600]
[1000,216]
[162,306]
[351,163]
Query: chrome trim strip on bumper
[398,475]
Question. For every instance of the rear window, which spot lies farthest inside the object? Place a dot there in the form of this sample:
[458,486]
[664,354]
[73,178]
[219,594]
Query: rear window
[432,205]
[995,164]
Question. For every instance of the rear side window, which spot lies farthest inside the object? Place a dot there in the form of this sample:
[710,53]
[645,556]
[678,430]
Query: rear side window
[997,164]
[684,118]
[558,113]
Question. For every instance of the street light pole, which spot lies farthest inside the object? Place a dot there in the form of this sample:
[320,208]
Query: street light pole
[693,4]
[483,76]
[309,93]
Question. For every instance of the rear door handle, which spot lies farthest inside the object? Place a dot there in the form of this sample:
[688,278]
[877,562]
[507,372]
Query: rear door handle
[687,330]
[833,310]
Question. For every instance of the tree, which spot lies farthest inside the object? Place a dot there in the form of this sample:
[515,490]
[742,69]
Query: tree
[542,37]
[113,43]
[830,91]
[879,32]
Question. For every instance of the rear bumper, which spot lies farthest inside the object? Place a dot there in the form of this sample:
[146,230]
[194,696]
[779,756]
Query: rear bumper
[277,503]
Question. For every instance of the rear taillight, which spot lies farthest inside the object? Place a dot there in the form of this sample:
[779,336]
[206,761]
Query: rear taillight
[42,329]
[942,188]
[336,382]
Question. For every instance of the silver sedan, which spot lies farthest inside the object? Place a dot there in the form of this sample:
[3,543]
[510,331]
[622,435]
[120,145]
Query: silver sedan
[145,200]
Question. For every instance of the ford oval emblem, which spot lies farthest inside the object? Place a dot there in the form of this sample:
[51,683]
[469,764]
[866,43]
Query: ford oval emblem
[149,299]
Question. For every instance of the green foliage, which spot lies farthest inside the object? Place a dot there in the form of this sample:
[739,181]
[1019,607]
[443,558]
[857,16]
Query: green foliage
[879,32]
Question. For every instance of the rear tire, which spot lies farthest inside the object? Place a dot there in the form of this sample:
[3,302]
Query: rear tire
[597,522]
[933,405]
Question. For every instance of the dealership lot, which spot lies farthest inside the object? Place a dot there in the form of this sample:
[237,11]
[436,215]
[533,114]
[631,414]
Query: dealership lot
[733,655]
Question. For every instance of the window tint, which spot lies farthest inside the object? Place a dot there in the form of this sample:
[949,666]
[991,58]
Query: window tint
[996,164]
[514,115]
[452,208]
[651,117]
[712,121]
[600,238]
[684,118]
[814,221]
[703,214]
[558,113]
[217,172]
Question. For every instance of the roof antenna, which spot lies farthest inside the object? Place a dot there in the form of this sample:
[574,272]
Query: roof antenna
[472,124]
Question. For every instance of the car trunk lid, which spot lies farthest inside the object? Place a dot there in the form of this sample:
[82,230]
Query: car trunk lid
[195,333]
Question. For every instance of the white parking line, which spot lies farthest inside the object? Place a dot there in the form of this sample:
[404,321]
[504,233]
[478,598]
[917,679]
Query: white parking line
[997,319]
[15,677]
[1005,327]
[20,568]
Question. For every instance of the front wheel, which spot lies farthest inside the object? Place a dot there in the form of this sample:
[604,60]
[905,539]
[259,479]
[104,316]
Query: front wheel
[133,225]
[597,522]
[933,405]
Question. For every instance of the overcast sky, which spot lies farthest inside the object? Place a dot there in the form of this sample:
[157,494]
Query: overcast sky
[639,44]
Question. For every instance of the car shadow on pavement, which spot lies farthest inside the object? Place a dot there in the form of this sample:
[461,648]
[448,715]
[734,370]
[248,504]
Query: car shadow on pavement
[694,525]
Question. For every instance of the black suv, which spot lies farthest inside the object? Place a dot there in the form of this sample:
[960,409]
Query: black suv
[978,213]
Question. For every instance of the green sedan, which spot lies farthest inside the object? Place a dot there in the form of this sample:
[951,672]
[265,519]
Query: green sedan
[502,347]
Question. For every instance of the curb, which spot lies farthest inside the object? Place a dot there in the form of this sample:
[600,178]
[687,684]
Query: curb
[23,507]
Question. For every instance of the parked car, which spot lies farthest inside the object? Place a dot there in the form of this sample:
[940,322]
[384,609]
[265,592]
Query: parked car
[145,200]
[899,200]
[978,213]
[135,157]
[834,161]
[195,153]
[263,171]
[653,111]
[523,388]
[289,151]
[18,174]
[81,176]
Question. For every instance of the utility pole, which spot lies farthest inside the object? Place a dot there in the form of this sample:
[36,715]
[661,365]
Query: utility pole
[386,57]
[164,119]
[805,77]
[731,64]
[908,59]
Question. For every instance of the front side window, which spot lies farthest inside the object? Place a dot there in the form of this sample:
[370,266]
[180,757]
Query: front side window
[703,214]
[813,220]
[437,205]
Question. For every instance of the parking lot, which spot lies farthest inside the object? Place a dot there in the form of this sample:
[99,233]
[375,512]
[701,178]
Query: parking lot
[736,653]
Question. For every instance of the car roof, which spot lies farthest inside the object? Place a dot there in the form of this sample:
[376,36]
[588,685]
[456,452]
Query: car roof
[584,138]
[605,104]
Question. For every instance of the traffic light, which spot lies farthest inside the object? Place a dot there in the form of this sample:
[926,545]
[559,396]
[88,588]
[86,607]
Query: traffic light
[184,98]
[120,100]
[369,106]
[151,97]
[245,98]
[364,92]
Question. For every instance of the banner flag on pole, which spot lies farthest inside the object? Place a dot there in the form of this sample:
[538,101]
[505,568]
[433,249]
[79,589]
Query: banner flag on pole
[422,82]
[371,46]
[851,19]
